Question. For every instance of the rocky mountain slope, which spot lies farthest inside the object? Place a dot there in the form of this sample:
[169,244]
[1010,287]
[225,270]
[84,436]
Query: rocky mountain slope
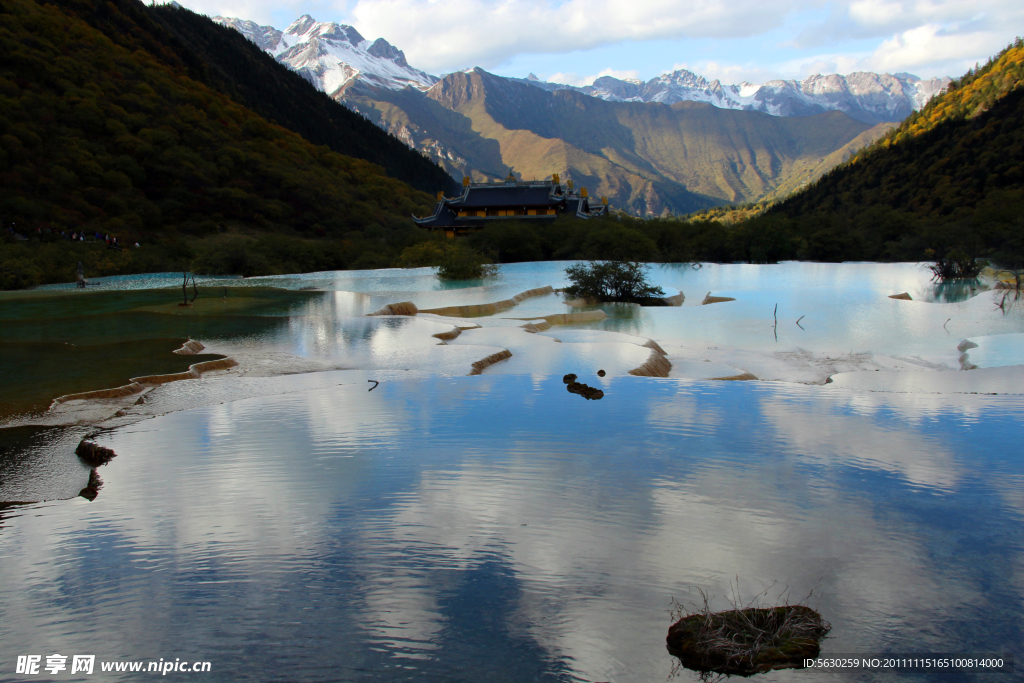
[667,150]
[647,157]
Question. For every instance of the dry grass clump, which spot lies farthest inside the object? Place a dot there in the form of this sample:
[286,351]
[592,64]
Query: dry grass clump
[94,455]
[748,639]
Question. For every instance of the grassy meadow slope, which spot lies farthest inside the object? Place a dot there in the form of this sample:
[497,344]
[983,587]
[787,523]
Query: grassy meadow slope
[102,130]
[646,157]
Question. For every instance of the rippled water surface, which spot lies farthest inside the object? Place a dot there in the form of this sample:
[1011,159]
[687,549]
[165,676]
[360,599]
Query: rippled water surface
[300,527]
[499,528]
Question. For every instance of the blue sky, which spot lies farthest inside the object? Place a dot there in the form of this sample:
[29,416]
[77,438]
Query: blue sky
[574,41]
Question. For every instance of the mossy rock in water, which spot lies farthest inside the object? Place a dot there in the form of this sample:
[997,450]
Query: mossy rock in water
[748,641]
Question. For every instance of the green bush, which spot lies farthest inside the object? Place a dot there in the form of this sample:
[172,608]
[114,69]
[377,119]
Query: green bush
[462,263]
[611,281]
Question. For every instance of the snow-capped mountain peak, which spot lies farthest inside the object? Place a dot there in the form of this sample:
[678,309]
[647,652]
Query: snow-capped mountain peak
[333,56]
[865,96]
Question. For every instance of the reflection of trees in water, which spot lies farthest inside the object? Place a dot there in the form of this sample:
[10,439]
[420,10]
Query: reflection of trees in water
[1008,299]
[954,291]
[625,318]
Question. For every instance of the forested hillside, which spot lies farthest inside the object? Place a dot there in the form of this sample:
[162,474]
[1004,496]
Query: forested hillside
[950,177]
[104,132]
[225,60]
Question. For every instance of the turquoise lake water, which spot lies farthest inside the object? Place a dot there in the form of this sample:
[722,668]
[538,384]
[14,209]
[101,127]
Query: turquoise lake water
[497,527]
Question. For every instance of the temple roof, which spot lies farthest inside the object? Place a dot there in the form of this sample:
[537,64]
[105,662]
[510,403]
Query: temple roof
[507,195]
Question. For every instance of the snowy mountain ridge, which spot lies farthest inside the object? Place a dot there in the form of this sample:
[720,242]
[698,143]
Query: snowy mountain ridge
[865,96]
[334,57]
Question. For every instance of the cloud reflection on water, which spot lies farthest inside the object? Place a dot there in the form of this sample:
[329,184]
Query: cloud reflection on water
[379,518]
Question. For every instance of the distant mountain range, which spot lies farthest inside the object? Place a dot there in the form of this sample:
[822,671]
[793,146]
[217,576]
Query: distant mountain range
[706,144]
[335,56]
[865,96]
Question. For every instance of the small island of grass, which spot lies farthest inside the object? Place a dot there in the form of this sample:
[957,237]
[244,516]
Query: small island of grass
[749,640]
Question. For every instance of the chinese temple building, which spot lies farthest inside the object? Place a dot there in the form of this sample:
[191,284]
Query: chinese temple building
[483,203]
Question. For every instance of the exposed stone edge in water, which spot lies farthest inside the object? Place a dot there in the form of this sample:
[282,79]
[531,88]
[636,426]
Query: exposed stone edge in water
[193,372]
[567,318]
[488,309]
[137,386]
[116,392]
[651,344]
[746,376]
[189,348]
[449,335]
[400,308]
[716,299]
[656,365]
[539,326]
[484,363]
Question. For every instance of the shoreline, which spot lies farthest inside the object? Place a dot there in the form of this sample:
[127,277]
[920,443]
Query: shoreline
[497,344]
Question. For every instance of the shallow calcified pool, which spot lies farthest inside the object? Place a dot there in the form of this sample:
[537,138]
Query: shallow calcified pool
[435,527]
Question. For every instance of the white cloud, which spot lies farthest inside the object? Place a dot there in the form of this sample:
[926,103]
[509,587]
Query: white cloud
[580,81]
[751,41]
[436,36]
[569,79]
[928,44]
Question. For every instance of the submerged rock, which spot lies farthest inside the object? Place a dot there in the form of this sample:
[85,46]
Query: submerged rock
[748,641]
[601,373]
[569,379]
